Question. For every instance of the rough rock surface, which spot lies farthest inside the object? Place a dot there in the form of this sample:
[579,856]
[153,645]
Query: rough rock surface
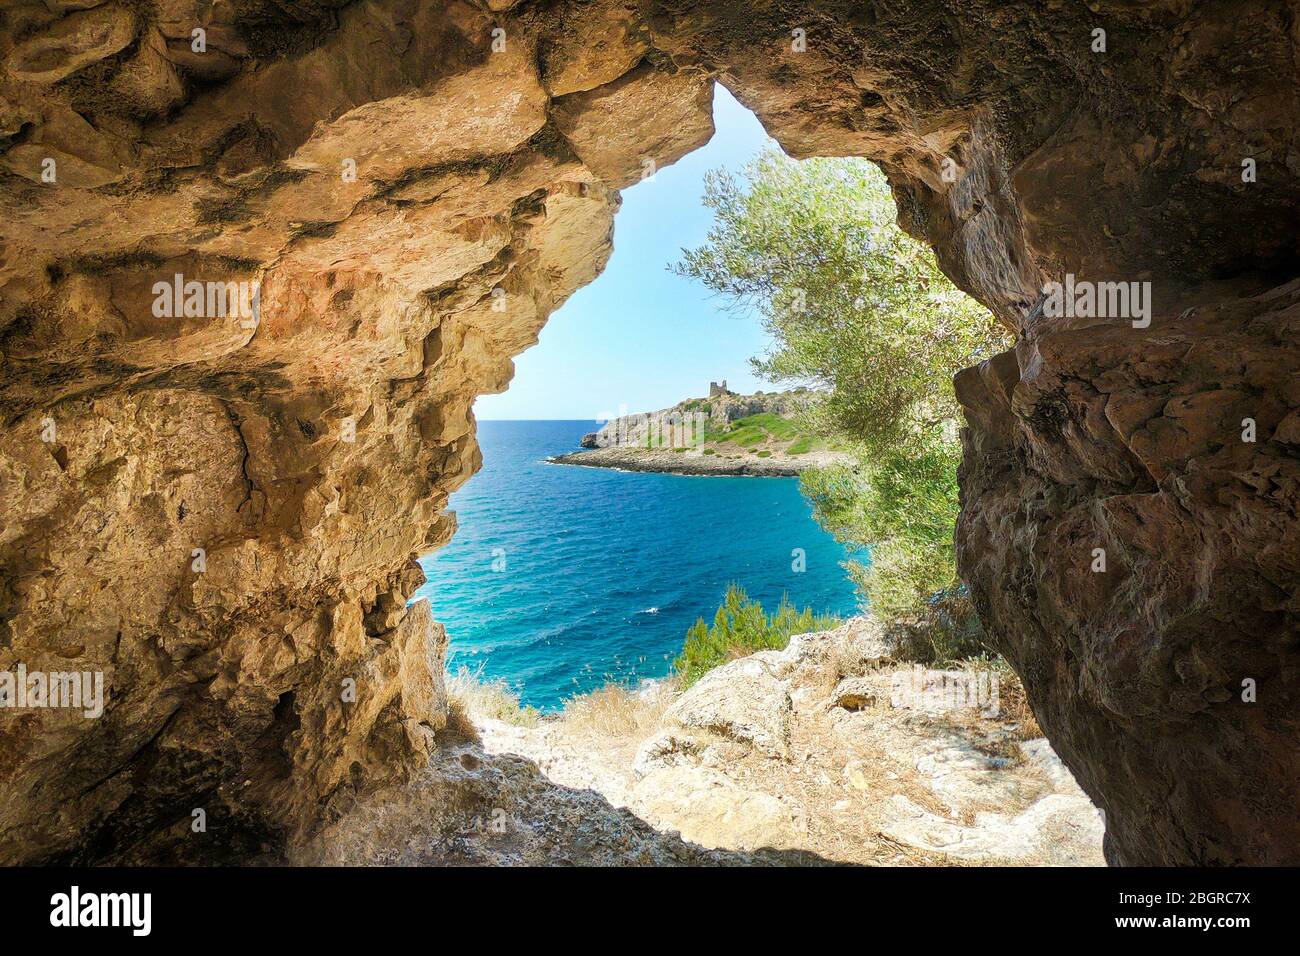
[479,803]
[73,42]
[417,184]
[614,780]
[741,701]
[855,693]
[1101,436]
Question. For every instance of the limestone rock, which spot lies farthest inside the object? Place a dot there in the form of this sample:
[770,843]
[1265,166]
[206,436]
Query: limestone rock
[84,157]
[480,807]
[859,640]
[209,65]
[64,6]
[1047,830]
[741,701]
[666,749]
[712,811]
[856,693]
[148,81]
[75,41]
[13,116]
[642,121]
[880,788]
[1195,526]
[601,46]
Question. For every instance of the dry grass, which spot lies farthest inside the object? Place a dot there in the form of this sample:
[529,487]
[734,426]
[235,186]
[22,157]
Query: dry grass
[846,659]
[460,724]
[618,711]
[1014,703]
[468,693]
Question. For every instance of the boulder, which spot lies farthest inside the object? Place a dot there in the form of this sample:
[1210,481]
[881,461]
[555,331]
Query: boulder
[626,130]
[710,810]
[856,693]
[602,45]
[740,701]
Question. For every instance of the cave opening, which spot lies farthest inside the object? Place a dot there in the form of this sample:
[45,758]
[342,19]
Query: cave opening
[578,590]
[223,517]
[535,588]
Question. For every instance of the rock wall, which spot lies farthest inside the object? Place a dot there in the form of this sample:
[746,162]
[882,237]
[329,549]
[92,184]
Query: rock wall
[218,507]
[1138,562]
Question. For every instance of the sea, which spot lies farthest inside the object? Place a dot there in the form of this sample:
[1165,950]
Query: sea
[562,578]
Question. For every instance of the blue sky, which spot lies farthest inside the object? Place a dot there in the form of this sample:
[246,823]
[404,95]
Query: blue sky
[640,336]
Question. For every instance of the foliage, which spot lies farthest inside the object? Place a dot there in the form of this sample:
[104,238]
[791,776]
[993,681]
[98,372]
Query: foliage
[857,308]
[947,629]
[902,503]
[860,311]
[740,626]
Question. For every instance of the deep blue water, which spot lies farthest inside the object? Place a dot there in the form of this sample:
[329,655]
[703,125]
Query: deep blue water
[601,572]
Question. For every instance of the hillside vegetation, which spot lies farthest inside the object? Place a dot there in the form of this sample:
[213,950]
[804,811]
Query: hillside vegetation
[764,432]
[760,434]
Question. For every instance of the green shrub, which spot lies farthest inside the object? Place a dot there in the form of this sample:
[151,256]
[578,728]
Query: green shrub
[740,627]
[902,503]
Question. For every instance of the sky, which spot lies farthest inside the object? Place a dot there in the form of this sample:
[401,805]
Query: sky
[640,336]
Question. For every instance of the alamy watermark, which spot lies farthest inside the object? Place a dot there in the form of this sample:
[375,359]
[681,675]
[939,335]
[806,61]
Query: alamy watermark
[75,908]
[1098,300]
[214,300]
[670,431]
[939,692]
[22,689]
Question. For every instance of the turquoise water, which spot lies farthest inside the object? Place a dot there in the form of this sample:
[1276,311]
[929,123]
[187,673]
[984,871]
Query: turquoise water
[561,578]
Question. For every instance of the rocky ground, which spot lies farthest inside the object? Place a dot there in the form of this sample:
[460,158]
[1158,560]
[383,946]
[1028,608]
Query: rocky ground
[735,462]
[814,754]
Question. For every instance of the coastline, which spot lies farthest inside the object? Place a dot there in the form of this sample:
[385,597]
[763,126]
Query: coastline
[680,463]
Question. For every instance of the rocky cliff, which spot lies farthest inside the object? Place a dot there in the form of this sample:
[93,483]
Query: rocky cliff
[217,506]
[756,435]
[719,411]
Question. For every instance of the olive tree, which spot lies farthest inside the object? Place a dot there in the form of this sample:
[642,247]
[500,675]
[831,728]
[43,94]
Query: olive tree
[860,312]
